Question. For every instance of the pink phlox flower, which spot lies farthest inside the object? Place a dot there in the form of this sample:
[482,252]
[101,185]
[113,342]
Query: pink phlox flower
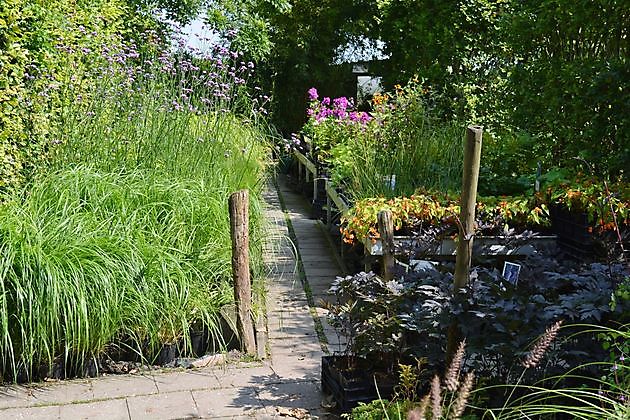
[312,94]
[340,113]
[365,118]
[341,103]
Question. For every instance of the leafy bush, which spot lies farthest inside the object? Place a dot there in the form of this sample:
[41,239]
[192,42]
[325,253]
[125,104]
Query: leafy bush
[606,206]
[553,73]
[44,47]
[331,122]
[423,211]
[409,317]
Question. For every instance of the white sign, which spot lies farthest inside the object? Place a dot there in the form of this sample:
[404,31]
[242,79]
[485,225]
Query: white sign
[511,272]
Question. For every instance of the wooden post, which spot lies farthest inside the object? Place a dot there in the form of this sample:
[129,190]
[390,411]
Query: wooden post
[299,174]
[386,230]
[328,209]
[315,186]
[472,160]
[239,227]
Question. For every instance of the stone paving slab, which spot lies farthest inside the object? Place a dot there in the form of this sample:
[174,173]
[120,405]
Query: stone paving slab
[187,380]
[31,413]
[317,263]
[305,395]
[291,302]
[46,393]
[227,402]
[96,410]
[123,386]
[321,284]
[328,271]
[236,378]
[164,406]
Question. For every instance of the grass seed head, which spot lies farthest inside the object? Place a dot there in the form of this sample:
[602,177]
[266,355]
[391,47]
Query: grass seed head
[538,351]
[436,398]
[462,396]
[451,379]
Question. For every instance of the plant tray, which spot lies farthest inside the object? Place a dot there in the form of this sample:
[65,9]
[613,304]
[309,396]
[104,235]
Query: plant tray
[350,387]
[490,245]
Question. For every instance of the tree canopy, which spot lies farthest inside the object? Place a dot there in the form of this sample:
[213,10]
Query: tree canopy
[557,69]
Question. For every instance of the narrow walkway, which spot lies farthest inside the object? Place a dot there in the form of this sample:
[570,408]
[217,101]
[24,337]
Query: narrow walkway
[290,379]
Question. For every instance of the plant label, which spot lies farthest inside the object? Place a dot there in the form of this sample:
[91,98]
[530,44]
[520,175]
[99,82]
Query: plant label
[511,272]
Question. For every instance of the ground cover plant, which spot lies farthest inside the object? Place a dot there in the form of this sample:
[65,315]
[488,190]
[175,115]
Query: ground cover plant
[120,244]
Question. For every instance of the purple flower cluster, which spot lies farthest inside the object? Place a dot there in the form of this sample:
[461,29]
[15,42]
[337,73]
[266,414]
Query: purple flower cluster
[312,94]
[294,143]
[342,110]
[214,79]
[134,79]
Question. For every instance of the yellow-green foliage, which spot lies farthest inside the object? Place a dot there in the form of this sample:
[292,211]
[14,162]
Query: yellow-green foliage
[44,44]
[438,209]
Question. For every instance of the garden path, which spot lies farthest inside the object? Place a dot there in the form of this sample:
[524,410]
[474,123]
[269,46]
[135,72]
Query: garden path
[288,379]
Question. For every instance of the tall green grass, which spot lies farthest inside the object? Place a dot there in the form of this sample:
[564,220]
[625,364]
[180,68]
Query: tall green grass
[91,258]
[125,240]
[425,156]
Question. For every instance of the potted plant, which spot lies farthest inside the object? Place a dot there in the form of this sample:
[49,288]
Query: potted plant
[364,313]
[385,324]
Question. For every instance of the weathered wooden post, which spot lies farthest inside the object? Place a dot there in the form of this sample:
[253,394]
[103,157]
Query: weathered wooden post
[239,227]
[386,230]
[472,161]
[328,209]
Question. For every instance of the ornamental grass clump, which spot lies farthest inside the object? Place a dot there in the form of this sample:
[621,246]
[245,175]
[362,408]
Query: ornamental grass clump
[95,259]
[584,392]
[123,243]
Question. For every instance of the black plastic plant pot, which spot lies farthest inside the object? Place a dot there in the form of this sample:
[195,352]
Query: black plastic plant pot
[572,229]
[167,354]
[349,382]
